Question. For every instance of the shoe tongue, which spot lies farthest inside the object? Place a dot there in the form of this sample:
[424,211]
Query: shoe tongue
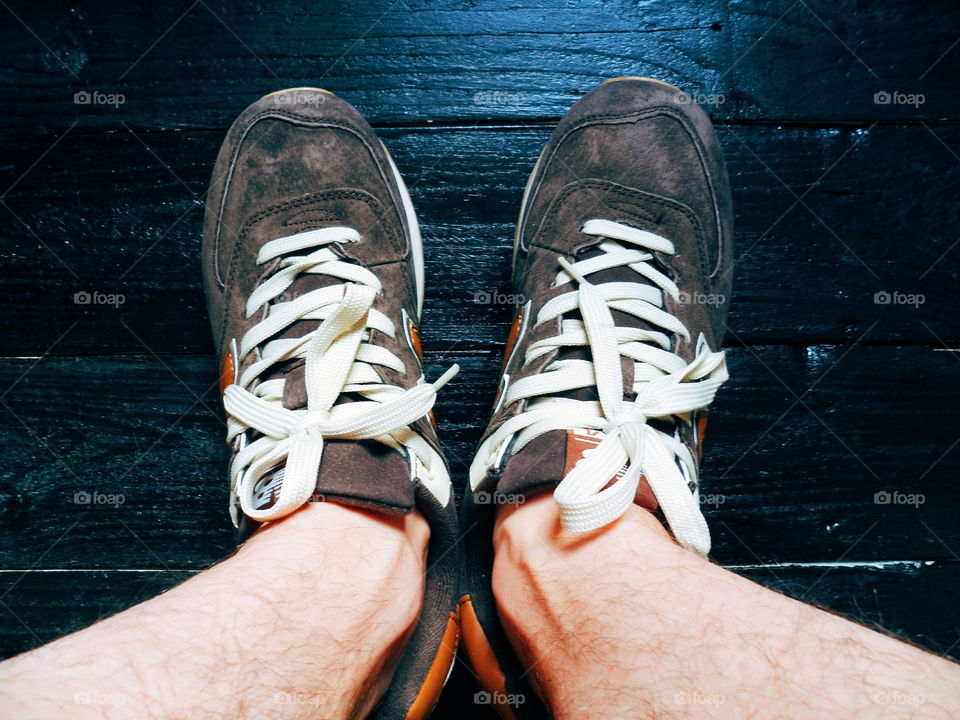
[363,473]
[292,370]
[546,459]
[294,386]
[621,319]
[295,393]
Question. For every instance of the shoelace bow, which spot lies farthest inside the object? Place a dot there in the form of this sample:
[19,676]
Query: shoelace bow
[337,360]
[665,384]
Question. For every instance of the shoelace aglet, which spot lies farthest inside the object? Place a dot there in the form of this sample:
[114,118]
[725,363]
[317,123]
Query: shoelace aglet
[446,377]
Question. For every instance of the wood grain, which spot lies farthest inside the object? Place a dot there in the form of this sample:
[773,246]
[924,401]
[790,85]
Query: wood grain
[789,481]
[120,213]
[189,65]
[841,201]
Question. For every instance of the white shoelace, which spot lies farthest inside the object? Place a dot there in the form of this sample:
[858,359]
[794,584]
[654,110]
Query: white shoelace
[665,386]
[338,359]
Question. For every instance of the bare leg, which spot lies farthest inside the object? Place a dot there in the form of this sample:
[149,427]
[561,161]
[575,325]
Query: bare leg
[306,620]
[622,623]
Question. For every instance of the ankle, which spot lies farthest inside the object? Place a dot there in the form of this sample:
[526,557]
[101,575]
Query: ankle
[378,561]
[534,525]
[547,583]
[350,528]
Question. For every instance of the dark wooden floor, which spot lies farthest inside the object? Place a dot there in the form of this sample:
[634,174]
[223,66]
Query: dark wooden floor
[838,401]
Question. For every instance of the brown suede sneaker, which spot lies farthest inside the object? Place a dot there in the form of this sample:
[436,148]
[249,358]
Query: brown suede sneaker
[623,263]
[313,270]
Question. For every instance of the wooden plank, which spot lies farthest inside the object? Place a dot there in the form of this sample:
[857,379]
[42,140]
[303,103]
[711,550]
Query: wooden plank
[118,463]
[197,65]
[782,482]
[122,214]
[832,453]
[40,606]
[910,600]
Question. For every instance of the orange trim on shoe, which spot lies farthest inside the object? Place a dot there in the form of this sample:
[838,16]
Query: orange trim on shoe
[227,371]
[482,658]
[437,674]
[512,337]
[415,342]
